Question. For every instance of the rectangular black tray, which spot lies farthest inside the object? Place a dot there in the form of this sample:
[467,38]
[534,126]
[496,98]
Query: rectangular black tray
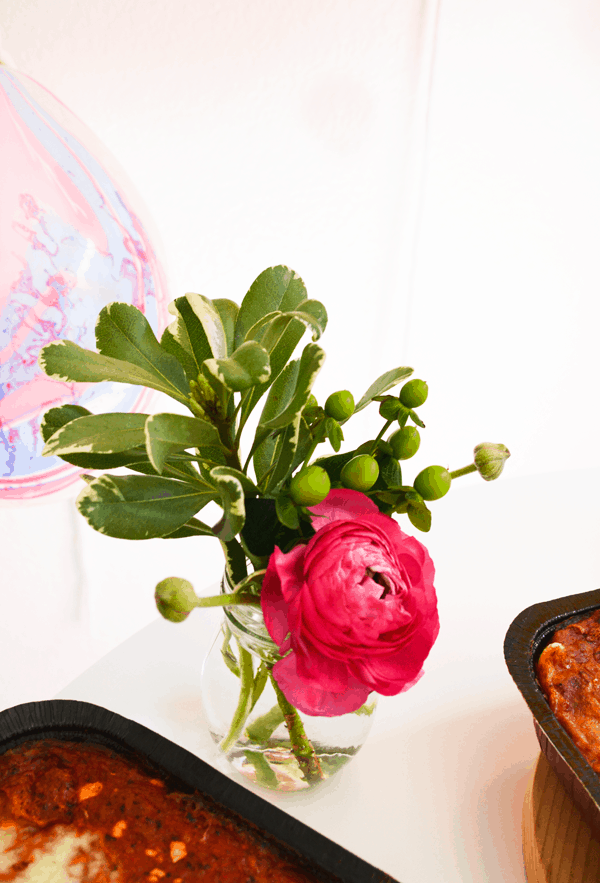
[73,721]
[527,636]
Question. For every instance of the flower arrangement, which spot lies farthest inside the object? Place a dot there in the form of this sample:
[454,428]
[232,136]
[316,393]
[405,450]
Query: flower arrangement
[347,597]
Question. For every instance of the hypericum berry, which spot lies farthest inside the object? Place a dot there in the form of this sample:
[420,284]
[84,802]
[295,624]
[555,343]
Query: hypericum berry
[310,486]
[433,482]
[490,459]
[175,598]
[360,473]
[340,405]
[414,393]
[405,442]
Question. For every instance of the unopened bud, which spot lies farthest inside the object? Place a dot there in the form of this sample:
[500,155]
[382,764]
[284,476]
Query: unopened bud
[175,598]
[489,459]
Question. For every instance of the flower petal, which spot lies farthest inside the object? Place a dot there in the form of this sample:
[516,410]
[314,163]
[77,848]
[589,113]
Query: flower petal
[310,698]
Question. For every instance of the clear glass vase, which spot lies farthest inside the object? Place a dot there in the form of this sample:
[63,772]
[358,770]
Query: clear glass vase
[262,749]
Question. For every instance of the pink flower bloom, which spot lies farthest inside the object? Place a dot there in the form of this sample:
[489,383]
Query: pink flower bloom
[352,611]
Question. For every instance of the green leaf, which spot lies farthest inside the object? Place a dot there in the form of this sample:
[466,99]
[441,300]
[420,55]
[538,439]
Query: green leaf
[419,515]
[382,384]
[284,454]
[67,361]
[248,366]
[167,433]
[183,470]
[228,311]
[310,364]
[198,330]
[175,340]
[416,419]
[390,472]
[192,528]
[231,492]
[263,530]
[56,418]
[287,512]
[136,507]
[248,486]
[279,397]
[269,329]
[277,288]
[334,433]
[123,332]
[333,465]
[235,560]
[98,434]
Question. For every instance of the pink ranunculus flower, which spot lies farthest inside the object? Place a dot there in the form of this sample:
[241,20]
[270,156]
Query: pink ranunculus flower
[352,611]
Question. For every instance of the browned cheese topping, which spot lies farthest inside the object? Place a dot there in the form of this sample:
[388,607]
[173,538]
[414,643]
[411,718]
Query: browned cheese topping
[569,673]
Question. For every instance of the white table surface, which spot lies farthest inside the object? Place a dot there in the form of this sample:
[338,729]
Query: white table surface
[436,793]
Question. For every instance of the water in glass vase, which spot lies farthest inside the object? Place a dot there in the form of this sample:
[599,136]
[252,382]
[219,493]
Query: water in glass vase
[251,731]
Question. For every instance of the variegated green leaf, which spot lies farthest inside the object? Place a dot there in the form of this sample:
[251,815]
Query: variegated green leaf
[277,288]
[228,311]
[311,362]
[98,434]
[123,332]
[139,507]
[67,361]
[382,384]
[204,326]
[56,418]
[167,433]
[284,455]
[232,500]
[246,367]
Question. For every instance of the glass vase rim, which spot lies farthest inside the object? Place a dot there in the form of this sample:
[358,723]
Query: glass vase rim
[267,642]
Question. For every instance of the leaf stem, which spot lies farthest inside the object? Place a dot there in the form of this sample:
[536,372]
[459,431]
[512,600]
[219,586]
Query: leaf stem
[302,748]
[464,471]
[385,428]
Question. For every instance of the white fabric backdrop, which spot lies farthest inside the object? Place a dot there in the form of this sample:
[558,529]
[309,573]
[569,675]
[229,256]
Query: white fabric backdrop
[263,133]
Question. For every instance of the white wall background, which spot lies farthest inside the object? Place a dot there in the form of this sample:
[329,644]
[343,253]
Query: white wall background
[269,132]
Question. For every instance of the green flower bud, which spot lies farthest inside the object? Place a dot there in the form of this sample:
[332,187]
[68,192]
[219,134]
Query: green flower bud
[414,393]
[175,598]
[340,405]
[360,473]
[490,459]
[390,409]
[405,442]
[433,482]
[310,486]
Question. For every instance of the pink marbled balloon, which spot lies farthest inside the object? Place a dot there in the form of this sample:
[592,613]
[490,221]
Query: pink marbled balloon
[70,242]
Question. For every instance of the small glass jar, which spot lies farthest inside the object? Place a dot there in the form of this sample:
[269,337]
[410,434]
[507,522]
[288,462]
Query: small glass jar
[262,751]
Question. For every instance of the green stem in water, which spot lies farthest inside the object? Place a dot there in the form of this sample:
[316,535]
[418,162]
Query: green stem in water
[464,471]
[244,705]
[302,748]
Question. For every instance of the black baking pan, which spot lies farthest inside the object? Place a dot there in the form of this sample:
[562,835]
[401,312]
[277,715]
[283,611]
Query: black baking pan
[527,636]
[68,720]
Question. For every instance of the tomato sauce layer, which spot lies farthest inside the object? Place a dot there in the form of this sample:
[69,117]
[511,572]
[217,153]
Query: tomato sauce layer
[144,831]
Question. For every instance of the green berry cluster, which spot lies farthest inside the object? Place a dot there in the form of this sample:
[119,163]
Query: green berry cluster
[375,467]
